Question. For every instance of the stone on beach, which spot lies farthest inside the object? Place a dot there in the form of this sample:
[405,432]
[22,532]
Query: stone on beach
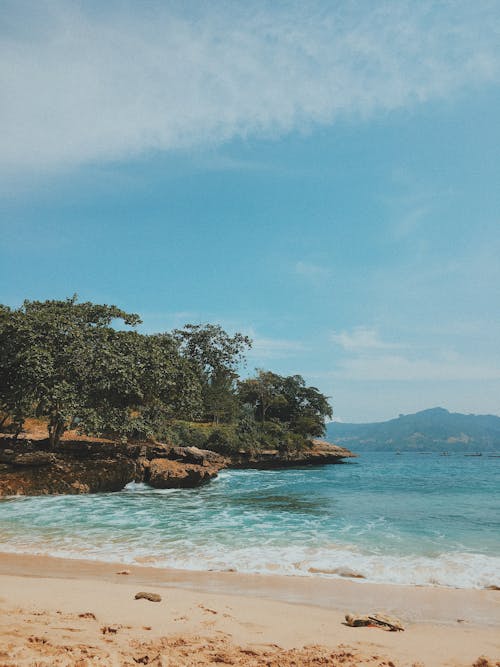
[152,597]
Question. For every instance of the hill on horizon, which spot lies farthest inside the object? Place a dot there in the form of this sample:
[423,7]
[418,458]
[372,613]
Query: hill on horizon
[427,430]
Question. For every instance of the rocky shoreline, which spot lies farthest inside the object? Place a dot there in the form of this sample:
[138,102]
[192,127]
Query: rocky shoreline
[28,467]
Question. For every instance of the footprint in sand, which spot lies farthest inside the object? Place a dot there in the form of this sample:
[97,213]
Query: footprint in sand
[207,609]
[87,614]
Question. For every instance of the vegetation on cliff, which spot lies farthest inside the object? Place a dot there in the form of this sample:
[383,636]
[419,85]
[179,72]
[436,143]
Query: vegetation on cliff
[86,366]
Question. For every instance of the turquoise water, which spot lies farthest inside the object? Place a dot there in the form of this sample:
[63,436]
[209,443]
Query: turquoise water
[413,519]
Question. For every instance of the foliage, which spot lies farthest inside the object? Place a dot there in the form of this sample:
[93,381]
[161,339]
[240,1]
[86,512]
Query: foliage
[85,366]
[216,356]
[52,356]
[286,400]
[63,361]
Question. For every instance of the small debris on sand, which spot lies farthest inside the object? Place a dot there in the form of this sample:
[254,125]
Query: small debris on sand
[152,597]
[374,621]
[123,572]
[483,661]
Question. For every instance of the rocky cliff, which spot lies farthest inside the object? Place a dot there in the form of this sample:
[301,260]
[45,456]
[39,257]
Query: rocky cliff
[27,467]
[320,452]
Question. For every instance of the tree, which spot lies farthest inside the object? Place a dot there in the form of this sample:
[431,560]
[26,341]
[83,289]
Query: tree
[262,392]
[50,352]
[15,401]
[85,365]
[64,361]
[215,355]
[304,408]
[220,400]
[286,400]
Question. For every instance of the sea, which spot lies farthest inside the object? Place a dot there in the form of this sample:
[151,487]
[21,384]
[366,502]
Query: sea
[417,519]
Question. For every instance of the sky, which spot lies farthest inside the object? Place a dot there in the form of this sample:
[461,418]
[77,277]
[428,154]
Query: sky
[323,176]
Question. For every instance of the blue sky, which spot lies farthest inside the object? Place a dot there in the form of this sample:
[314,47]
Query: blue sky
[322,176]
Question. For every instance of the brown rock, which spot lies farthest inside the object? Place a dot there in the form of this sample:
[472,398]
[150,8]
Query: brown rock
[67,477]
[166,474]
[152,597]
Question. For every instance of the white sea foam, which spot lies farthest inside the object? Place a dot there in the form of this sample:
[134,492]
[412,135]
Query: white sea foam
[455,570]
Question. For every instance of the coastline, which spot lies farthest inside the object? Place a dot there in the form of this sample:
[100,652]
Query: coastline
[235,609]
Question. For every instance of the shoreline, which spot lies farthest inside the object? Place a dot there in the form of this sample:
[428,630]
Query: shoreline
[53,607]
[416,604]
[344,573]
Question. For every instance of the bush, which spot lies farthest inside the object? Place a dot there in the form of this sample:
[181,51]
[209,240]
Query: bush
[184,434]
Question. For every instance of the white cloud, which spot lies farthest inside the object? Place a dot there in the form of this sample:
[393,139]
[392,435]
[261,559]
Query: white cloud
[362,339]
[388,367]
[313,272]
[367,357]
[273,348]
[83,82]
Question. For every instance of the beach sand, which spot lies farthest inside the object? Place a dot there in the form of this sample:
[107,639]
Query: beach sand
[82,613]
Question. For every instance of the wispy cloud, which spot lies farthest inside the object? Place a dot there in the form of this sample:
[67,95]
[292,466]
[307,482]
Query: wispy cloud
[368,357]
[274,348]
[362,339]
[311,271]
[86,82]
[392,367]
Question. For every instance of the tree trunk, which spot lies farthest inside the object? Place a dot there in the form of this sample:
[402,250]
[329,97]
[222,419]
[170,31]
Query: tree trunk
[56,429]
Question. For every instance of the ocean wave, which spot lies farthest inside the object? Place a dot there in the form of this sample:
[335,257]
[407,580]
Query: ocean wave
[452,570]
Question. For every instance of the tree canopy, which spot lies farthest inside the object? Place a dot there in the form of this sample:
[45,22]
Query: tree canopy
[286,400]
[85,365]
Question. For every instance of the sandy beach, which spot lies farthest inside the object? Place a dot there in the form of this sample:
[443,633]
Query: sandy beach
[69,612]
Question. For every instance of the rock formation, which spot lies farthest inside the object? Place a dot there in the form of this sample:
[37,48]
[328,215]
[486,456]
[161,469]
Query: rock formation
[27,467]
[320,452]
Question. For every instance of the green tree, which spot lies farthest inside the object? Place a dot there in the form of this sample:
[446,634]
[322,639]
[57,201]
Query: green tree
[304,408]
[146,376]
[49,352]
[15,400]
[286,400]
[216,356]
[262,392]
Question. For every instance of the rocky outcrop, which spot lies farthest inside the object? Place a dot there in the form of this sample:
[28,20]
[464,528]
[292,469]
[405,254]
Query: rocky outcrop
[165,474]
[320,452]
[84,466]
[66,477]
[28,468]
[190,467]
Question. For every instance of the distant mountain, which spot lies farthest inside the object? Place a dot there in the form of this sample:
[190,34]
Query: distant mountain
[429,430]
